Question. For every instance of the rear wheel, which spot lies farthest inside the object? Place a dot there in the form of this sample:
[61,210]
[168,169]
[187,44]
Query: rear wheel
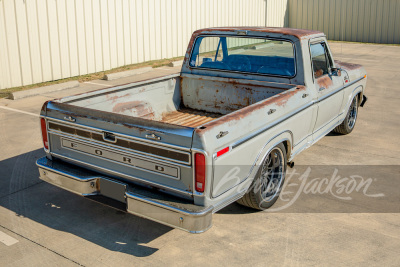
[268,182]
[349,122]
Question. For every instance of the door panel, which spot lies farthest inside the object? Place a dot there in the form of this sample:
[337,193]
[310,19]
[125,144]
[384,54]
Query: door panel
[329,100]
[328,87]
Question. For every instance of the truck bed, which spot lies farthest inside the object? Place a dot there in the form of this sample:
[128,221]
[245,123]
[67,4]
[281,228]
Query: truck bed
[189,117]
[185,100]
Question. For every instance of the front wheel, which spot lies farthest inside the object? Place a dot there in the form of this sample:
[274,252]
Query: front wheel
[268,182]
[349,122]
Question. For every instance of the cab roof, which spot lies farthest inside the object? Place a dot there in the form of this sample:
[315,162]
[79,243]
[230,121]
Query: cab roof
[298,33]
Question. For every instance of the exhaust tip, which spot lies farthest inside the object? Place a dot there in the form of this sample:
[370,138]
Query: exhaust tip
[290,164]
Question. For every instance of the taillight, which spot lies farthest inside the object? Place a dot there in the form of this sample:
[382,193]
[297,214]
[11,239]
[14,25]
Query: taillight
[44,133]
[200,172]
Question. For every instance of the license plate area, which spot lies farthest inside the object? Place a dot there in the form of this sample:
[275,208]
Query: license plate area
[112,189]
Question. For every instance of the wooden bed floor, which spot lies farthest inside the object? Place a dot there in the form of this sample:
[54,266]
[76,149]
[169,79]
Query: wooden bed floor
[189,117]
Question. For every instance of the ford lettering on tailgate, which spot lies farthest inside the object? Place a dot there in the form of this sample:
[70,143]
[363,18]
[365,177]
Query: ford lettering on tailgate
[127,159]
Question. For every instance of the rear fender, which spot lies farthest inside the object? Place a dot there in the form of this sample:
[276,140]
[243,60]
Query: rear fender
[285,137]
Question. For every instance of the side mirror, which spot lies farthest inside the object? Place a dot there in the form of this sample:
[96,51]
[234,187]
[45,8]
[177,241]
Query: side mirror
[336,72]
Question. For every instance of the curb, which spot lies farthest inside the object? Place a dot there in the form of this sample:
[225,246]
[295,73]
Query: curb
[44,89]
[123,74]
[175,63]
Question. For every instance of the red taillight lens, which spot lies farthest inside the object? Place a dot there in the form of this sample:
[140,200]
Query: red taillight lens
[44,133]
[200,172]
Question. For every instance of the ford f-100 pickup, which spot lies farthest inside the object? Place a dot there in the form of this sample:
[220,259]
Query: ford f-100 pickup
[178,148]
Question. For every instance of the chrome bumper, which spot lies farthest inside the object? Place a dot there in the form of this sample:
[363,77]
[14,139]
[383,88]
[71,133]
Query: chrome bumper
[140,201]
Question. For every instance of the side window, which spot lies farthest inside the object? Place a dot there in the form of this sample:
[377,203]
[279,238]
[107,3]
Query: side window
[320,59]
[207,53]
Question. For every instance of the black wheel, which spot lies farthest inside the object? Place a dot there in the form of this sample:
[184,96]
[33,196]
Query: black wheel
[268,182]
[349,122]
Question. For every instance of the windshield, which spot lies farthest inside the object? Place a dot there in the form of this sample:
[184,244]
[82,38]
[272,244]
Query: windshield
[254,55]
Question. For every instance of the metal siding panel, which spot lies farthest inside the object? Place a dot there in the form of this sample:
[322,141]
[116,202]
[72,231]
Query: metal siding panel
[12,43]
[140,38]
[321,19]
[152,30]
[146,34]
[379,18]
[372,21]
[96,21]
[354,21]
[72,38]
[80,36]
[54,41]
[337,19]
[23,42]
[391,21]
[90,56]
[119,33]
[396,31]
[367,20]
[113,42]
[163,21]
[174,32]
[133,31]
[5,79]
[385,21]
[157,21]
[63,39]
[179,28]
[126,32]
[34,41]
[105,35]
[45,52]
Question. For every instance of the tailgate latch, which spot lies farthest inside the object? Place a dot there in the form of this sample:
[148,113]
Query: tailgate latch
[109,137]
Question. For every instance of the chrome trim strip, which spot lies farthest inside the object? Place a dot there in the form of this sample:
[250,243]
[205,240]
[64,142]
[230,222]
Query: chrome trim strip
[168,188]
[132,138]
[247,138]
[269,126]
[155,160]
[124,164]
[340,89]
[143,154]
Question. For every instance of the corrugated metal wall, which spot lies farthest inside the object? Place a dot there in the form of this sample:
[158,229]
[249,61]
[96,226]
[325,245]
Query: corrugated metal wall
[372,21]
[44,40]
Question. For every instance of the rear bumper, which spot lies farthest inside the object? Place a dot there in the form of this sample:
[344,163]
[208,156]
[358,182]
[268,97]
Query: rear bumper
[143,202]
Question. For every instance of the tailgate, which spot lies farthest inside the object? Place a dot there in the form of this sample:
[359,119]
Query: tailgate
[124,147]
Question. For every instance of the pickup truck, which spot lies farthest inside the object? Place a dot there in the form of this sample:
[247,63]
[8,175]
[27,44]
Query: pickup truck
[178,148]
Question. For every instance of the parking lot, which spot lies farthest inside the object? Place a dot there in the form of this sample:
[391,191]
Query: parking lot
[44,225]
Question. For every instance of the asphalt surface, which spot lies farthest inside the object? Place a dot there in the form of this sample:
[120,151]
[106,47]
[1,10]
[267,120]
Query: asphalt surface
[43,225]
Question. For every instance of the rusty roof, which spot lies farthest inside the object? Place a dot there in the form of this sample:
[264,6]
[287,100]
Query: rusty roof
[299,33]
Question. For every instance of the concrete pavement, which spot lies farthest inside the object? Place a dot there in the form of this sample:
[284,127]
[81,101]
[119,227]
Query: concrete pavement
[55,227]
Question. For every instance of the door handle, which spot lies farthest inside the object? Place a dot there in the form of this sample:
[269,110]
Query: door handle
[321,89]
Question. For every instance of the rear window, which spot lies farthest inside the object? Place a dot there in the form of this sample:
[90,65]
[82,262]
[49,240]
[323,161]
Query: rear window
[251,55]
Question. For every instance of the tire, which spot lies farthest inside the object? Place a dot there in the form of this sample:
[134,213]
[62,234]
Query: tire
[266,186]
[349,122]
